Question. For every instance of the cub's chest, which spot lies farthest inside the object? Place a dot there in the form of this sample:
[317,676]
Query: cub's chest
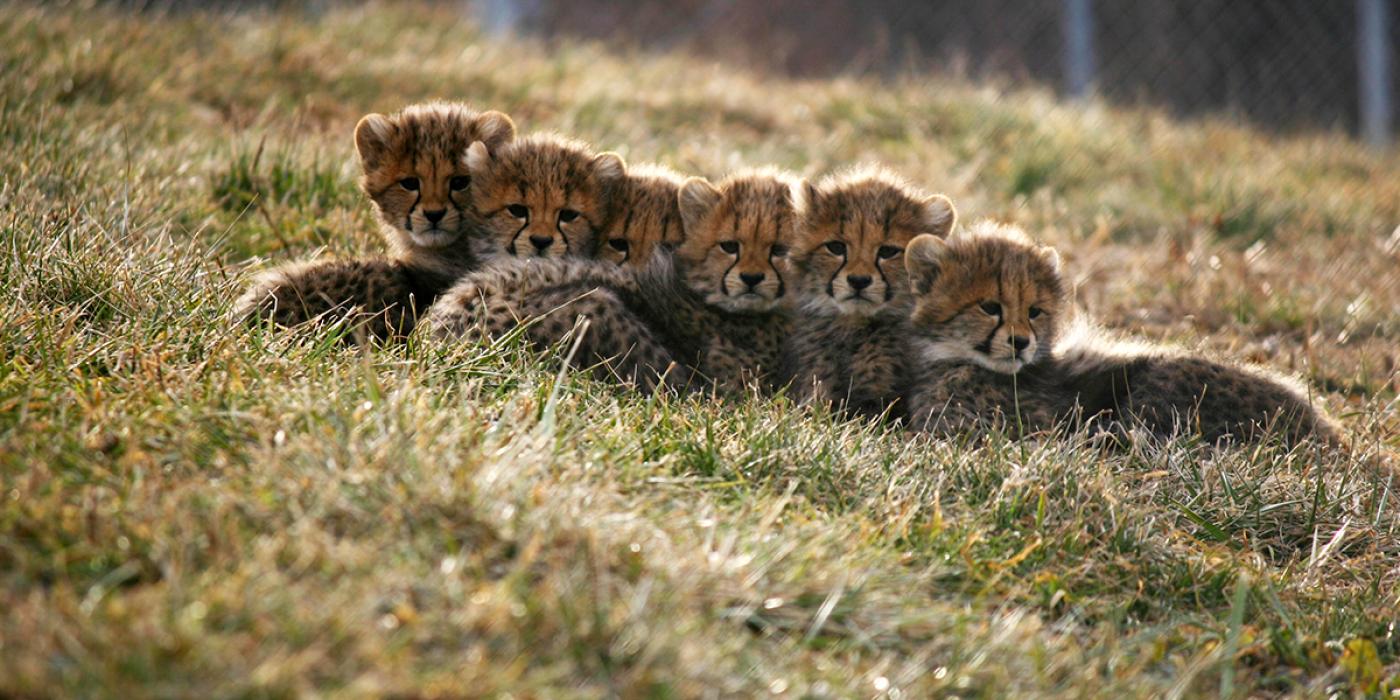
[860,345]
[742,345]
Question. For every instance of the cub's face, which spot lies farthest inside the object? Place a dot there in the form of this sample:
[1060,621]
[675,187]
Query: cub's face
[737,238]
[542,196]
[647,216]
[989,296]
[850,254]
[413,169]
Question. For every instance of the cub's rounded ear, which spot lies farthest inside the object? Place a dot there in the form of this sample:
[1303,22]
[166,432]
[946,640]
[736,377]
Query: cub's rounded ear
[923,260]
[939,215]
[495,129]
[478,158]
[608,168]
[697,199]
[374,137]
[1051,256]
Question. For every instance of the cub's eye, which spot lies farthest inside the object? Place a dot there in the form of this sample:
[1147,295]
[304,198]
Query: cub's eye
[731,247]
[778,250]
[567,215]
[459,182]
[836,247]
[519,211]
[991,308]
[1035,312]
[409,183]
[618,244]
[888,251]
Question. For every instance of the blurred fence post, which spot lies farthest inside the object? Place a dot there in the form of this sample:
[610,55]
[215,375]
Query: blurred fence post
[1078,28]
[1373,69]
[500,17]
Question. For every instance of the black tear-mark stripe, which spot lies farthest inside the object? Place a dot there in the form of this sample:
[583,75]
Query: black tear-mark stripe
[880,268]
[559,226]
[985,347]
[516,237]
[831,283]
[724,278]
[408,219]
[460,209]
[845,257]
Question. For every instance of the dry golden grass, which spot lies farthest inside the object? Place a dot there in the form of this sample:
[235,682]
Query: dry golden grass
[192,509]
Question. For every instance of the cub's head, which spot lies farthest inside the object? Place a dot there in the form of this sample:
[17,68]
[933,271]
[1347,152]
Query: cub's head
[851,243]
[989,295]
[413,170]
[737,237]
[542,196]
[648,216]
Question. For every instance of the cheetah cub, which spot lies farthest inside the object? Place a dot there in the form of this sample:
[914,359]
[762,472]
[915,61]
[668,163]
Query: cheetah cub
[648,216]
[721,302]
[551,295]
[542,196]
[414,174]
[714,306]
[989,311]
[988,303]
[848,344]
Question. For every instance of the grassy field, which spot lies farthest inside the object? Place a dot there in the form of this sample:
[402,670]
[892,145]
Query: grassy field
[193,509]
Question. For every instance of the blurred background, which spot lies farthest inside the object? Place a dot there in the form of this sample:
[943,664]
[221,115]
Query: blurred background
[1282,64]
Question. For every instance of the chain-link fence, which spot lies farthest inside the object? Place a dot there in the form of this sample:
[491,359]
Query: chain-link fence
[1284,63]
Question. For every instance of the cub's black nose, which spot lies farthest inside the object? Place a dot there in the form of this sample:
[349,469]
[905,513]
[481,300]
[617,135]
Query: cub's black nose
[858,282]
[434,215]
[541,242]
[1020,342]
[751,278]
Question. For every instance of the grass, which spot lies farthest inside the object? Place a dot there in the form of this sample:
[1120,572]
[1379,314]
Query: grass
[190,509]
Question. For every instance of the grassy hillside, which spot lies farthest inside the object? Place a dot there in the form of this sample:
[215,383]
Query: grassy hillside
[189,509]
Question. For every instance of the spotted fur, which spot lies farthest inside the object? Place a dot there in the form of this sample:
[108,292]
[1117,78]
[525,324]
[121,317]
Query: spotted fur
[414,176]
[681,307]
[1166,392]
[543,196]
[648,217]
[849,344]
[1012,366]
[722,302]
[989,296]
[550,297]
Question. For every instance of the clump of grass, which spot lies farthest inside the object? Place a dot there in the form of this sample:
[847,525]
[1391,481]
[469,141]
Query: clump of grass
[282,181]
[192,508]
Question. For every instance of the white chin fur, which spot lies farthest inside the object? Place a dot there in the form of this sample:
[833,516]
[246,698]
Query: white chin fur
[747,302]
[1002,365]
[857,307]
[433,239]
[936,351]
